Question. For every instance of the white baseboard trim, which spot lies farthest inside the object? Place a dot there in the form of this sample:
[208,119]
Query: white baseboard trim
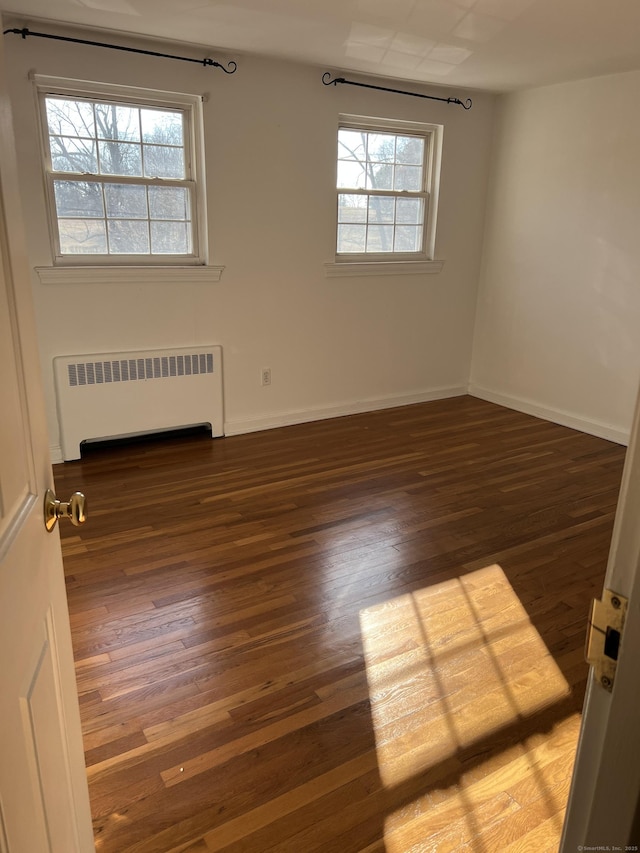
[242,426]
[556,416]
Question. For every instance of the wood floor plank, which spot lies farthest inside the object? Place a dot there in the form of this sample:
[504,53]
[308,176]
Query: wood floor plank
[249,823]
[352,636]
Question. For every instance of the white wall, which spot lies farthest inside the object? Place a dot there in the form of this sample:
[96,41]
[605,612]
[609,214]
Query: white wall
[334,345]
[558,324]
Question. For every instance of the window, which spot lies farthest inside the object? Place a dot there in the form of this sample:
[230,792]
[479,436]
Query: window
[124,179]
[387,176]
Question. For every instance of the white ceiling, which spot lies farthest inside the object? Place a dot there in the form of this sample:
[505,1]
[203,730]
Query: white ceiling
[483,44]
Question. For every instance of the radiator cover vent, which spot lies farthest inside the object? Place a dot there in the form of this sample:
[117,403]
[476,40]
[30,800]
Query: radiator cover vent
[131,369]
[110,395]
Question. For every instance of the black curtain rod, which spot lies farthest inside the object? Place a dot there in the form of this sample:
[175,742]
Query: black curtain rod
[24,32]
[326,79]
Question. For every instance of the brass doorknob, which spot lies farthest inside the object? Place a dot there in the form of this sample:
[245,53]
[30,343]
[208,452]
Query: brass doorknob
[75,509]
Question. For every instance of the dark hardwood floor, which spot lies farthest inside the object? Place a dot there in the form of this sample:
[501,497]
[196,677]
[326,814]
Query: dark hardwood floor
[362,634]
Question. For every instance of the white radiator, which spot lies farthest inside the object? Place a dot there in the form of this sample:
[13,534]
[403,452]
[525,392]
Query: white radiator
[109,395]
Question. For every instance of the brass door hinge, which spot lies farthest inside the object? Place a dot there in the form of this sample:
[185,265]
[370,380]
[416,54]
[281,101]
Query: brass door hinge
[604,636]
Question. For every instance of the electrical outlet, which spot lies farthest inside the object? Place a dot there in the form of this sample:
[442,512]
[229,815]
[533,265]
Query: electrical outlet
[266,376]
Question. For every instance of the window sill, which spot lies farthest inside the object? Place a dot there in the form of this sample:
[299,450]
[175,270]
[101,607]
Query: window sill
[129,275]
[344,269]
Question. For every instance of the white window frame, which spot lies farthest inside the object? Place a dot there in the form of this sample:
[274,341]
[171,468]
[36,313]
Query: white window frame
[378,263]
[191,108]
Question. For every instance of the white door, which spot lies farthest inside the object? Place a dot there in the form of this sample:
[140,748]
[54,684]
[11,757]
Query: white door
[603,810]
[44,804]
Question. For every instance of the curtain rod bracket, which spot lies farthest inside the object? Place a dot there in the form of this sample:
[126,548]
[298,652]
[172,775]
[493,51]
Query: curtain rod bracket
[326,79]
[24,32]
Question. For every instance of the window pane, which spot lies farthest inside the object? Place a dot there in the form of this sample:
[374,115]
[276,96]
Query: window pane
[169,203]
[117,122]
[410,150]
[352,238]
[380,238]
[381,209]
[69,118]
[408,239]
[119,158]
[351,144]
[144,151]
[352,208]
[170,238]
[351,174]
[410,211]
[73,155]
[381,147]
[127,237]
[78,199]
[125,201]
[82,237]
[162,127]
[160,161]
[391,169]
[408,178]
[379,176]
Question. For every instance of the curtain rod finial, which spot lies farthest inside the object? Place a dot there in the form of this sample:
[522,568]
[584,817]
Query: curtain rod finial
[326,79]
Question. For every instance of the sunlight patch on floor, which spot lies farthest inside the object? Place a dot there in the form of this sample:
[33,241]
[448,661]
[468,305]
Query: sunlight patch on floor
[450,668]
